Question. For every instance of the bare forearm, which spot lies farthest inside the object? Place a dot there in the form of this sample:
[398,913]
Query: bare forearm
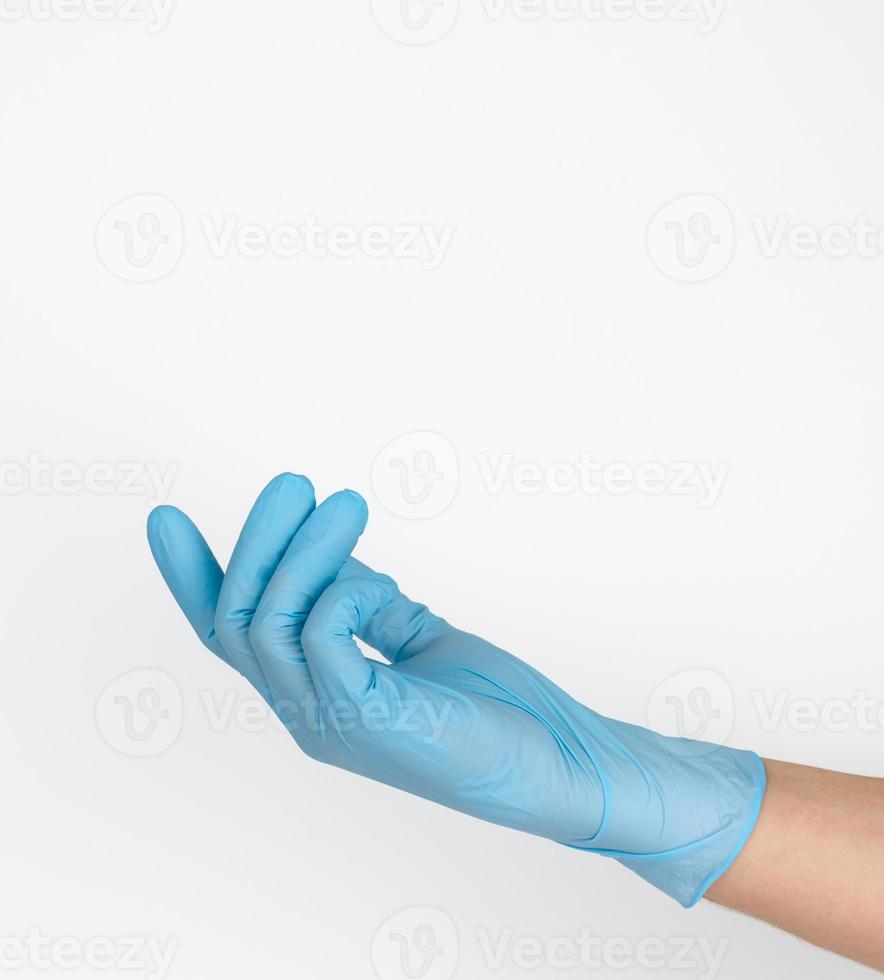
[814,865]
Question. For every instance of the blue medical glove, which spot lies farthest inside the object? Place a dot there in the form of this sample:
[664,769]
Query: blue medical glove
[450,718]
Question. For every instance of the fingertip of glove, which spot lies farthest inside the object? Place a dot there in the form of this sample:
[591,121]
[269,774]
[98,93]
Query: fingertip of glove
[358,500]
[291,483]
[161,517]
[347,504]
[360,508]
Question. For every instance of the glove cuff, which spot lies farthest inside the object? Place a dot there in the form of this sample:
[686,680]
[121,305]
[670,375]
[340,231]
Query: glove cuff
[693,808]
[685,873]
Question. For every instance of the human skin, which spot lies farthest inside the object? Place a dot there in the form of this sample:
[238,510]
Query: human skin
[814,865]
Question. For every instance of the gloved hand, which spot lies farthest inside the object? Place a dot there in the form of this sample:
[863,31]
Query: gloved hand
[451,718]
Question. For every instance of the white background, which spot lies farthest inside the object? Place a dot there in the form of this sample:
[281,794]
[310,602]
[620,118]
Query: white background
[549,330]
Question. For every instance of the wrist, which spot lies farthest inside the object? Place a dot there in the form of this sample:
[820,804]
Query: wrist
[815,864]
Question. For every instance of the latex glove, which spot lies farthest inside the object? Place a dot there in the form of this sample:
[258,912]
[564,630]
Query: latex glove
[451,718]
